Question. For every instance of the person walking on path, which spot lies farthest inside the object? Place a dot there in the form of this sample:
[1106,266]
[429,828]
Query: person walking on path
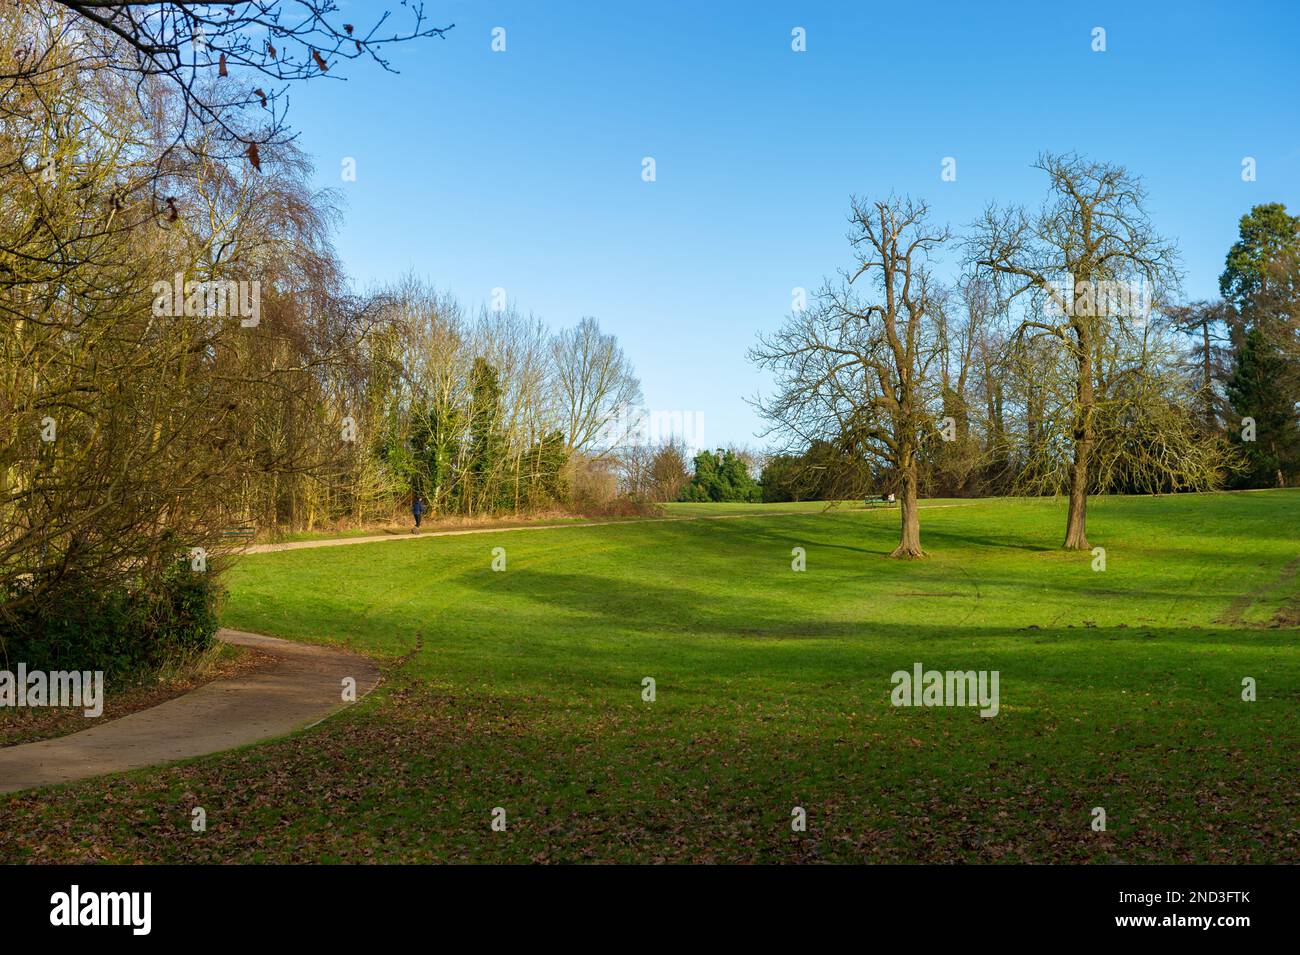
[417,509]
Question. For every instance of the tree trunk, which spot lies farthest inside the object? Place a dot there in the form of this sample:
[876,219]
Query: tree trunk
[1076,536]
[909,542]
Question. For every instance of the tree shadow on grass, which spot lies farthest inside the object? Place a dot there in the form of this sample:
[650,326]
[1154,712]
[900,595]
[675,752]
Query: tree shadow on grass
[878,539]
[935,538]
[645,608]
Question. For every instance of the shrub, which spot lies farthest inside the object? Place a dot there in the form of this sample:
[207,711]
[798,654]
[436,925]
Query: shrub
[126,631]
[592,483]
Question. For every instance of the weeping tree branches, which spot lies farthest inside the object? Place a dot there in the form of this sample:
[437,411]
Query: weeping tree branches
[160,377]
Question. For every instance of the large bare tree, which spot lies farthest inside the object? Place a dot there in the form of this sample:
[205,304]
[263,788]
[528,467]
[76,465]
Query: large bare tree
[855,366]
[1079,263]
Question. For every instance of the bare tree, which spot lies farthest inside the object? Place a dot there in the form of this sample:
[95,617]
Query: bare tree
[596,388]
[959,339]
[857,370]
[254,48]
[1208,323]
[1091,238]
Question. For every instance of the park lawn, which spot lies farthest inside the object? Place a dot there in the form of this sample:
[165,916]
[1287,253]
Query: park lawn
[522,689]
[673,511]
[432,525]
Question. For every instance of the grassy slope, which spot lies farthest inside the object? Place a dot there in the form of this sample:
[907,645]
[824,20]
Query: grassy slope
[522,689]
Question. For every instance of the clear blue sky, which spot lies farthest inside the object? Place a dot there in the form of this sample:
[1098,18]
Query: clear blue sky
[522,169]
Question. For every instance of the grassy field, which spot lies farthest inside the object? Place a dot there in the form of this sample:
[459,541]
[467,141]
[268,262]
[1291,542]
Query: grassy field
[522,689]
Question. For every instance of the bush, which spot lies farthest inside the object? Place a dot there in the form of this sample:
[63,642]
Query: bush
[592,483]
[722,477]
[125,631]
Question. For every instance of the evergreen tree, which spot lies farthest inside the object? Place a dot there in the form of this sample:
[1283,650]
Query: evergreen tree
[722,477]
[1253,389]
[1263,385]
[487,444]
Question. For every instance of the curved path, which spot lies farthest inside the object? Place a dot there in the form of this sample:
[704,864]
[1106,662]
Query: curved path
[302,687]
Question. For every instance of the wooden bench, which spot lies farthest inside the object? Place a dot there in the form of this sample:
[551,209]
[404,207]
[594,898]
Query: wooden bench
[241,533]
[876,499]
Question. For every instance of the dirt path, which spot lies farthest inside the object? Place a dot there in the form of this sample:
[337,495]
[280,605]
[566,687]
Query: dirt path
[1234,615]
[397,536]
[302,687]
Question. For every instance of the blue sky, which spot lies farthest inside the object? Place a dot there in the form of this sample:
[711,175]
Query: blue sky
[522,169]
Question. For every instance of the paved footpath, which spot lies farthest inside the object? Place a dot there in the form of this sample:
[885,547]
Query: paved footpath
[303,686]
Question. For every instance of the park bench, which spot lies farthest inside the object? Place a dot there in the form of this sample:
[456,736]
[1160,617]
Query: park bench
[239,533]
[878,499]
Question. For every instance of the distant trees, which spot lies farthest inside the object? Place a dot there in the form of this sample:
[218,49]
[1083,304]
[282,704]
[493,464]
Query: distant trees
[824,472]
[1261,389]
[1267,236]
[596,388]
[655,473]
[951,466]
[722,476]
[1206,324]
[467,412]
[668,474]
[489,415]
[1245,350]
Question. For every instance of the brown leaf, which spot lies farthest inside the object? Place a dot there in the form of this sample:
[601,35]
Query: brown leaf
[348,27]
[253,157]
[221,66]
[270,49]
[260,95]
[320,61]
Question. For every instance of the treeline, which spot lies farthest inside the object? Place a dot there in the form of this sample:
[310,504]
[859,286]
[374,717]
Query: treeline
[475,416]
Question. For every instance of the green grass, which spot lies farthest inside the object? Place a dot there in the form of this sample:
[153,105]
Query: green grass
[430,526]
[522,689]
